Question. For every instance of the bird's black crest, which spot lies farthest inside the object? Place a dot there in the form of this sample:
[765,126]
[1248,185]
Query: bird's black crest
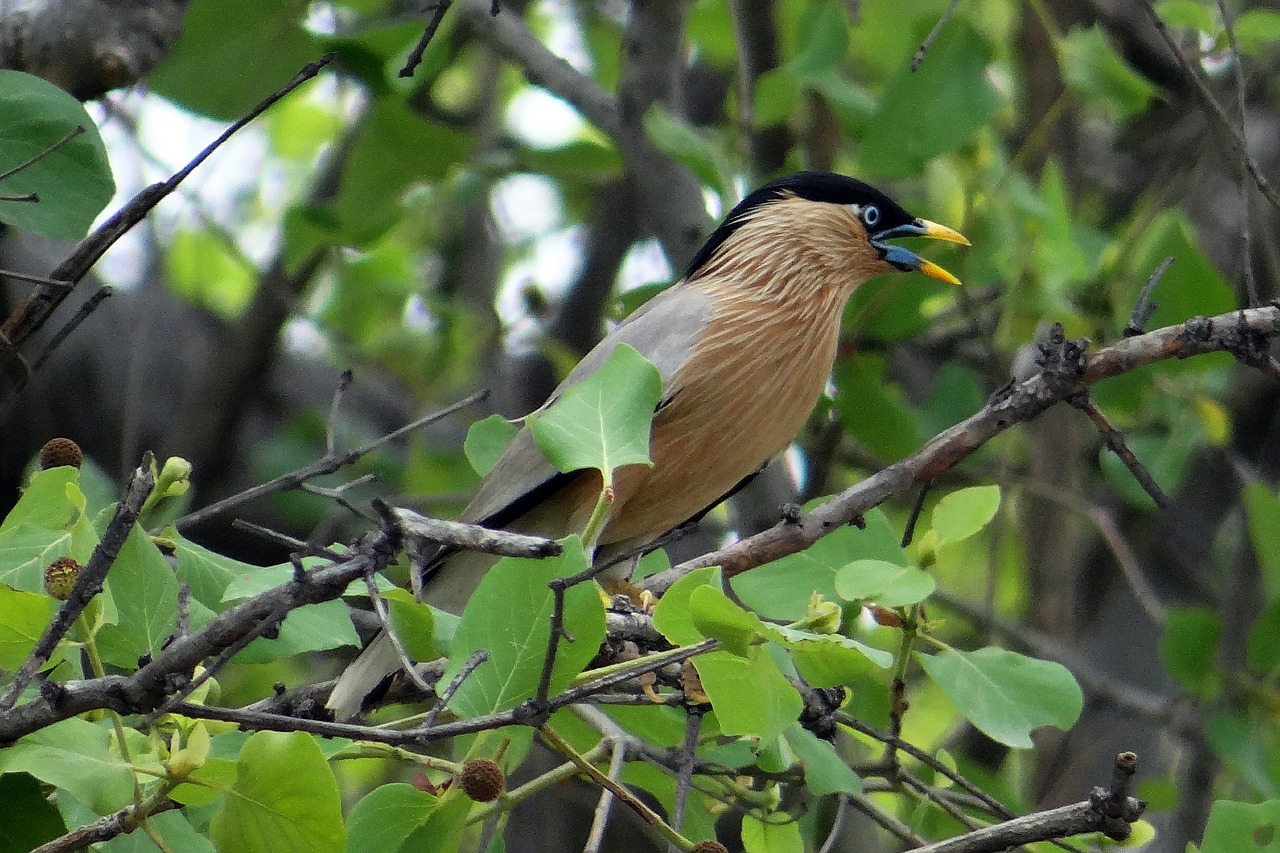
[814,186]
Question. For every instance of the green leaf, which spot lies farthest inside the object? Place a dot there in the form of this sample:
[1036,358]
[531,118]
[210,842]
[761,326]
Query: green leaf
[961,514]
[1238,827]
[509,616]
[486,439]
[285,799]
[26,614]
[1262,509]
[750,695]
[777,93]
[264,40]
[775,833]
[602,422]
[715,616]
[313,628]
[27,818]
[887,584]
[1257,30]
[1191,286]
[1185,13]
[934,109]
[206,271]
[1264,650]
[872,409]
[824,39]
[1242,747]
[74,755]
[781,589]
[1096,74]
[672,616]
[73,183]
[678,140]
[47,522]
[414,623]
[1004,694]
[386,816]
[371,197]
[825,772]
[1189,645]
[146,595]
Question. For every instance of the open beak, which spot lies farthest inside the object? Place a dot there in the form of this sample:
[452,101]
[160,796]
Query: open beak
[905,259]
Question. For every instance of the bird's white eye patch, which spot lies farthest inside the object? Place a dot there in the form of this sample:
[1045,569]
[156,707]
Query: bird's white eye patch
[870,215]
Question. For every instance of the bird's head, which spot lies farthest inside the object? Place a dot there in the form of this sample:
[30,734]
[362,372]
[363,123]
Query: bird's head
[839,221]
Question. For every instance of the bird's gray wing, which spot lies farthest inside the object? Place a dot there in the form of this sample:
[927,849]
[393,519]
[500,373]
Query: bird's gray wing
[663,330]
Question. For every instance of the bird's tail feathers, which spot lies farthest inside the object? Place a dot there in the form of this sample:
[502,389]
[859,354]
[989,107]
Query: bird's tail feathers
[358,680]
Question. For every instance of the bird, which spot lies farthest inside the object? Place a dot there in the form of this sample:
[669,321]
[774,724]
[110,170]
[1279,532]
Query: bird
[745,342]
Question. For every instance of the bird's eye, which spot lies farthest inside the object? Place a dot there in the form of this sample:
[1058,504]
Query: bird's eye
[870,215]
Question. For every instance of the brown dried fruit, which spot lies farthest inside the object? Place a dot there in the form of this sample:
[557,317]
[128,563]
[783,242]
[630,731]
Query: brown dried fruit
[60,451]
[710,847]
[60,577]
[482,780]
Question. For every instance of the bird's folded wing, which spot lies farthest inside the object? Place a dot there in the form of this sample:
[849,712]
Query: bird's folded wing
[663,331]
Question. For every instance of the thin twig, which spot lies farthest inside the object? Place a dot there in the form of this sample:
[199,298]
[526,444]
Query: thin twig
[1144,308]
[76,131]
[82,313]
[33,279]
[1114,439]
[600,820]
[473,663]
[1213,108]
[35,309]
[933,35]
[89,583]
[384,616]
[327,464]
[330,427]
[415,57]
[1246,232]
[684,773]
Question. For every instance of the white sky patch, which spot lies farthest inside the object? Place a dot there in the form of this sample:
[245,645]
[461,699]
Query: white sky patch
[645,263]
[526,206]
[552,263]
[542,120]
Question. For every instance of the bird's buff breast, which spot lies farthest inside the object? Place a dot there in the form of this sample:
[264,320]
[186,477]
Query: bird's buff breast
[761,378]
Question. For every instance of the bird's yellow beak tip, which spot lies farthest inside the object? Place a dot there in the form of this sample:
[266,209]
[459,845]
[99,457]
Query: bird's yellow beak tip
[932,270]
[942,232]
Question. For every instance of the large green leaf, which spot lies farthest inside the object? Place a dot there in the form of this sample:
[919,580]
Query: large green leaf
[1004,694]
[934,109]
[1262,509]
[1189,647]
[602,422]
[261,44]
[825,772]
[1242,827]
[26,614]
[27,818]
[964,512]
[74,755]
[73,183]
[146,595]
[750,695]
[1094,71]
[887,584]
[509,616]
[386,816]
[284,800]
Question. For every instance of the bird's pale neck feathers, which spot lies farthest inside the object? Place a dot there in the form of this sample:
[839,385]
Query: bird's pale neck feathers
[807,255]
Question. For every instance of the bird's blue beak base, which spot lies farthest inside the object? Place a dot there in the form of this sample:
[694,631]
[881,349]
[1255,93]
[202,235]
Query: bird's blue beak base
[905,259]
